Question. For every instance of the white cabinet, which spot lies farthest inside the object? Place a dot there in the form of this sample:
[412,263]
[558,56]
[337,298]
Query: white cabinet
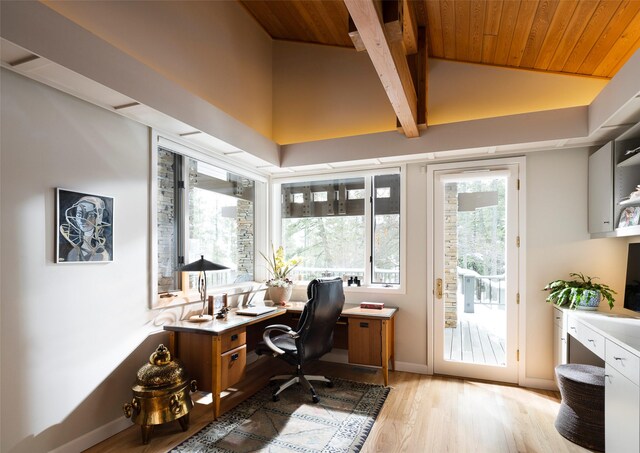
[621,412]
[614,339]
[614,173]
[601,190]
[559,337]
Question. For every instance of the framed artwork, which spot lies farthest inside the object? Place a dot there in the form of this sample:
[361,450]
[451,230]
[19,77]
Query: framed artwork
[84,227]
[630,216]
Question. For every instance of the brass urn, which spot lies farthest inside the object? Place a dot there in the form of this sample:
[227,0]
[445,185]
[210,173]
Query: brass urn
[161,394]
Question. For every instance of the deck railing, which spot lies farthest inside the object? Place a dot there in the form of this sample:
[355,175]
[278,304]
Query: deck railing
[379,275]
[481,289]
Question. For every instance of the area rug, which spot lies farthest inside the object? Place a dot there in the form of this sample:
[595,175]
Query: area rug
[340,422]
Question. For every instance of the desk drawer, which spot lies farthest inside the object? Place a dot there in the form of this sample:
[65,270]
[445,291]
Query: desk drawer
[572,326]
[589,338]
[557,317]
[233,339]
[234,364]
[365,341]
[625,362]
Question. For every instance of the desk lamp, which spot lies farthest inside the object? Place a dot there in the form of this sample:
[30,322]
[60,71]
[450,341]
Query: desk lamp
[201,266]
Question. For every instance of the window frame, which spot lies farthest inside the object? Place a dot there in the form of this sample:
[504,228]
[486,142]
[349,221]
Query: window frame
[276,220]
[261,213]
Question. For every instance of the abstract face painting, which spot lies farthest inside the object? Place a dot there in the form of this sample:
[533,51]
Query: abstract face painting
[85,227]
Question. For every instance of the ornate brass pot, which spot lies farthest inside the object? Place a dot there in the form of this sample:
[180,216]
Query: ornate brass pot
[161,394]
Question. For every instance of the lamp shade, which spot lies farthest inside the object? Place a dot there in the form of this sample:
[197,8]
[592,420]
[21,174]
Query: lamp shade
[202,265]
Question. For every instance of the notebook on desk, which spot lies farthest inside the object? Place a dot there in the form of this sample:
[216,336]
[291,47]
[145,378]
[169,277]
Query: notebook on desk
[255,311]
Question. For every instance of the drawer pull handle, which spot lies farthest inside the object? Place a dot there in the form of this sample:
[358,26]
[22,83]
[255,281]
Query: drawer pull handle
[573,327]
[234,357]
[592,341]
[234,337]
[619,358]
[557,317]
[364,324]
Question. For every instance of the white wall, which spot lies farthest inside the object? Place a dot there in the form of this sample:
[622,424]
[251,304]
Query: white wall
[558,243]
[322,92]
[467,91]
[69,332]
[216,50]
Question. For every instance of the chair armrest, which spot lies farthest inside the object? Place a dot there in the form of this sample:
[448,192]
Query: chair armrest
[266,336]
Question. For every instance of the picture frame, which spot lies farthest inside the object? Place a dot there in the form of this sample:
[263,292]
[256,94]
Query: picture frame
[84,227]
[630,216]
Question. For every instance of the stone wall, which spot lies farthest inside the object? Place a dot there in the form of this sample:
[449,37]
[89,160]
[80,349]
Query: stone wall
[245,240]
[450,289]
[166,218]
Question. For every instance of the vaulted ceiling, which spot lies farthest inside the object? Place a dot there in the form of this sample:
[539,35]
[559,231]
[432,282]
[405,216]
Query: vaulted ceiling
[586,37]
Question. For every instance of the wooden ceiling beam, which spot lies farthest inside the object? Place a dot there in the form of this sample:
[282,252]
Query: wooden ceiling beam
[409,27]
[388,56]
[355,36]
[399,18]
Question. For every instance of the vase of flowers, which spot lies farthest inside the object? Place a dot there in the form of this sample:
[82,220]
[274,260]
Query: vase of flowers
[280,286]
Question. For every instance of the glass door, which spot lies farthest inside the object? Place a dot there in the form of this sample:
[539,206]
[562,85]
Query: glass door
[476,273]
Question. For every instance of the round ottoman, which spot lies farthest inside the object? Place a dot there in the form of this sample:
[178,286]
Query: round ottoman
[581,415]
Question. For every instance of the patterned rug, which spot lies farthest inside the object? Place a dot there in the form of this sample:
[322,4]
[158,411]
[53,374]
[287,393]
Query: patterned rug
[340,422]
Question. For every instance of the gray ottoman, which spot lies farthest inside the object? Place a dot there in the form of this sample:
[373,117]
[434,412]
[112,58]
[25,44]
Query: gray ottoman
[581,415]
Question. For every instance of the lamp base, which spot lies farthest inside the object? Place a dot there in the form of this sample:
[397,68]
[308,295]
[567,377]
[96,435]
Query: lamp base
[200,318]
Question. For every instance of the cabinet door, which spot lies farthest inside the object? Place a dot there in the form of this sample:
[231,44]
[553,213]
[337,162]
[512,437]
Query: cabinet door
[365,341]
[621,413]
[601,190]
[234,364]
[559,346]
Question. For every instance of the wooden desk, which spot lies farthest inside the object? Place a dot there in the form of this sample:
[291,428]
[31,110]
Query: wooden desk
[215,352]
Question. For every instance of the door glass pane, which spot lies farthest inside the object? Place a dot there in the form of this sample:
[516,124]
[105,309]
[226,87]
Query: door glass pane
[474,273]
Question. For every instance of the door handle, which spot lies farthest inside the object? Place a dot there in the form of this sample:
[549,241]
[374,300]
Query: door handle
[439,288]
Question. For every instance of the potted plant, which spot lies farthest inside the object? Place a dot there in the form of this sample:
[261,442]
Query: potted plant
[581,292]
[280,286]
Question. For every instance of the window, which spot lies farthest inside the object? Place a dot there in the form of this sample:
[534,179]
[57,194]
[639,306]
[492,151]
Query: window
[344,227]
[203,209]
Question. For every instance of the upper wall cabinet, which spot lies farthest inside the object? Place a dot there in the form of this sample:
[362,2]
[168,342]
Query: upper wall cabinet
[601,190]
[614,187]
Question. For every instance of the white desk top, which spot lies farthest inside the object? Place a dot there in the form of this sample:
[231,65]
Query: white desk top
[622,329]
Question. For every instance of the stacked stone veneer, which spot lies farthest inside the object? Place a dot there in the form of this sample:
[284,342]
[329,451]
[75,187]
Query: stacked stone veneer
[450,289]
[166,223]
[166,218]
[245,239]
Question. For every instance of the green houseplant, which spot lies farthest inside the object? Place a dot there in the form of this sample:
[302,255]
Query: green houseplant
[280,286]
[581,292]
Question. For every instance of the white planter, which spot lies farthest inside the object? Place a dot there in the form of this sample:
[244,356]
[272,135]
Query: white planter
[280,295]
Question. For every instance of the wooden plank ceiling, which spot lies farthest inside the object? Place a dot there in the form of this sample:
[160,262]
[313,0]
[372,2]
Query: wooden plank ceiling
[587,37]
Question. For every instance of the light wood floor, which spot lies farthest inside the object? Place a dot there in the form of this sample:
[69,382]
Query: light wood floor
[422,414]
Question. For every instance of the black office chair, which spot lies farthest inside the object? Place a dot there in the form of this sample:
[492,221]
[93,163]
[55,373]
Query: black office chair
[312,338]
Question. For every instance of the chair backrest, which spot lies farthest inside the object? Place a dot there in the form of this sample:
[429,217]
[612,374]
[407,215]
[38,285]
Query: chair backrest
[319,317]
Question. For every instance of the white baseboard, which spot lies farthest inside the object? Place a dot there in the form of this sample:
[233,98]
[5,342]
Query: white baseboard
[96,436]
[410,367]
[536,383]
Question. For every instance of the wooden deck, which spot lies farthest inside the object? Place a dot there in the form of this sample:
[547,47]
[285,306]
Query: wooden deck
[473,342]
